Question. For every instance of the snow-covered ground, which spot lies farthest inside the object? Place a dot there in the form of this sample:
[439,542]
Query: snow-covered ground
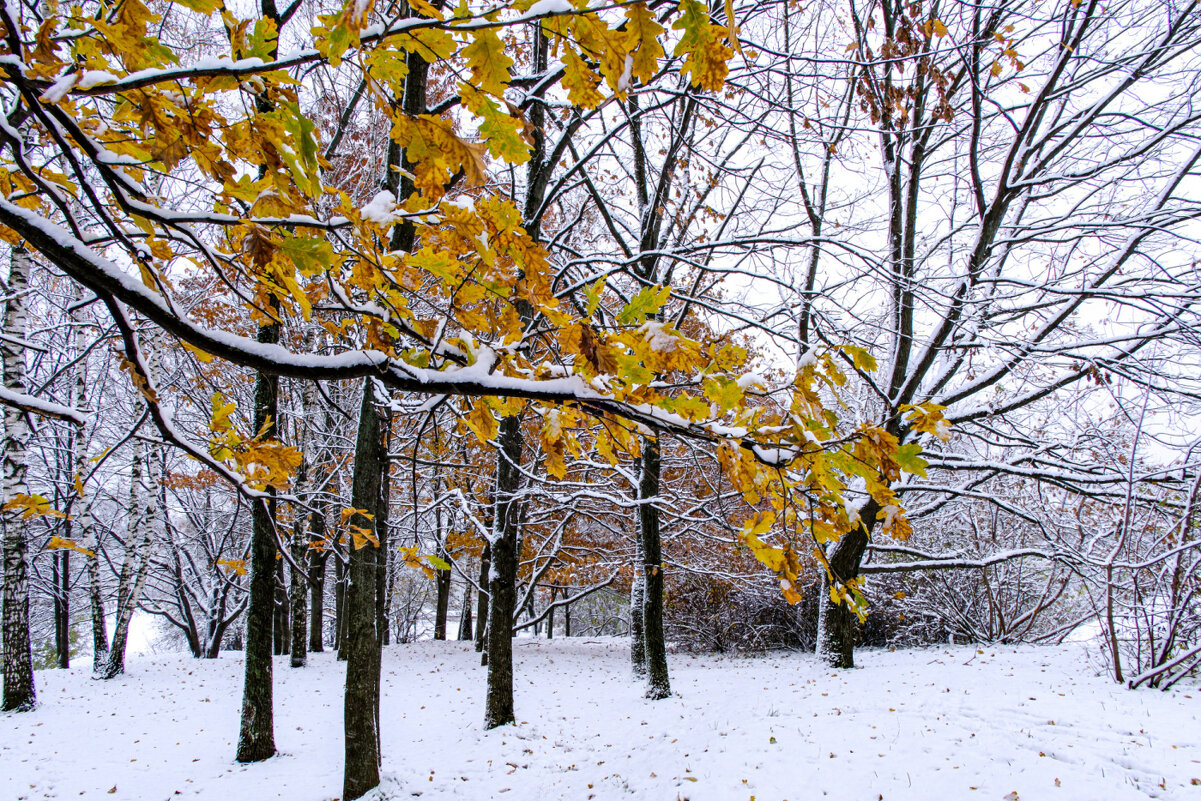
[943,723]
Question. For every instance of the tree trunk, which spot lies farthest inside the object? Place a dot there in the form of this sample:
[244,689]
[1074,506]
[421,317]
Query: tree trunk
[481,603]
[91,542]
[256,738]
[443,604]
[298,592]
[658,685]
[340,581]
[637,596]
[837,625]
[362,637]
[502,585]
[382,588]
[19,691]
[836,630]
[138,545]
[550,616]
[465,616]
[317,559]
[61,568]
[281,633]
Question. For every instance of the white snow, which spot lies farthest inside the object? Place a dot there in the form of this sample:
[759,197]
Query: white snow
[58,90]
[382,209]
[659,337]
[752,381]
[627,74]
[941,723]
[91,78]
[550,7]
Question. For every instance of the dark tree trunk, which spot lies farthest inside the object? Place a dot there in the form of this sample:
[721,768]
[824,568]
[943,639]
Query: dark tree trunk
[340,605]
[361,635]
[502,586]
[218,624]
[658,685]
[481,605]
[61,566]
[838,626]
[298,592]
[282,632]
[256,740]
[381,570]
[465,616]
[567,619]
[317,560]
[443,604]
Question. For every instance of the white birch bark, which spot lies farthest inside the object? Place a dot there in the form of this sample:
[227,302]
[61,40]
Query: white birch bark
[19,690]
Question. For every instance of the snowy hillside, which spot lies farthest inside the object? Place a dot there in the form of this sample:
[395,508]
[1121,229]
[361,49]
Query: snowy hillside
[945,723]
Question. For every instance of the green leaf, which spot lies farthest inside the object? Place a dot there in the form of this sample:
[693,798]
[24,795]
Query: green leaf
[311,255]
[909,459]
[302,160]
[723,391]
[263,40]
[632,371]
[499,130]
[648,301]
[592,294]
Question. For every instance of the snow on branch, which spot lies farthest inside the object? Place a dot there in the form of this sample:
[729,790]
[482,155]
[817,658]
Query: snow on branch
[41,407]
[928,561]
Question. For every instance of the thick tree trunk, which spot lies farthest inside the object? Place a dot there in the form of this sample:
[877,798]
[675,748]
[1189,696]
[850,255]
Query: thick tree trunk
[658,685]
[836,630]
[256,738]
[465,617]
[362,636]
[502,584]
[19,691]
[838,627]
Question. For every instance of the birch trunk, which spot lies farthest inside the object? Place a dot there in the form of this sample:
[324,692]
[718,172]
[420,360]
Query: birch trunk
[139,542]
[19,690]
